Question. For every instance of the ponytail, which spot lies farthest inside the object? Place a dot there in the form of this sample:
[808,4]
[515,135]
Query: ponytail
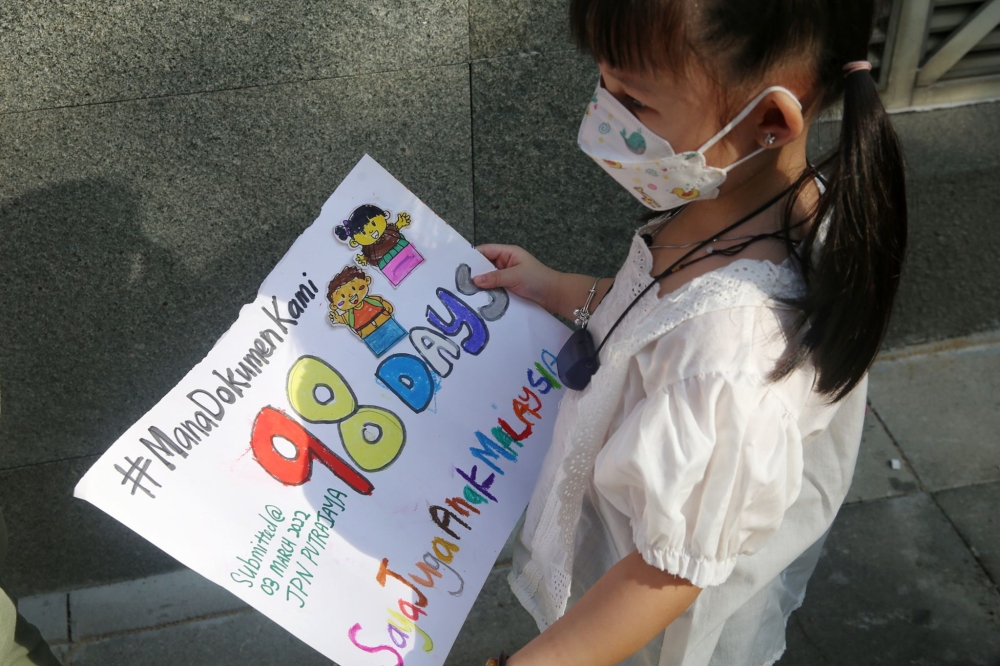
[860,228]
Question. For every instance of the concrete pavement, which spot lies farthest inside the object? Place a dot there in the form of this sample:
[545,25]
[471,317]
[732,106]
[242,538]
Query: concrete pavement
[908,575]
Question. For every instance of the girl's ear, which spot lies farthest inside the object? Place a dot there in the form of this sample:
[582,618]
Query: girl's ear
[781,118]
[352,243]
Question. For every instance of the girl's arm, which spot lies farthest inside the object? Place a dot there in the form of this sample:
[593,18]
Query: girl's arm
[624,610]
[519,272]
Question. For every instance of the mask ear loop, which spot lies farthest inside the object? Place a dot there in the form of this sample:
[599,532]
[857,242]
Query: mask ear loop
[747,110]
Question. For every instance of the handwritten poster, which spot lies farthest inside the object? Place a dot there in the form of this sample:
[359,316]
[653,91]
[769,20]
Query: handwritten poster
[351,455]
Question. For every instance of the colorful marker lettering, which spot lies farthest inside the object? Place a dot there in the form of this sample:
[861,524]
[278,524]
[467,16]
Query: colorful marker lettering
[384,571]
[444,550]
[272,423]
[435,349]
[409,378]
[352,635]
[482,487]
[461,506]
[310,376]
[373,437]
[499,300]
[488,451]
[442,517]
[461,316]
[429,572]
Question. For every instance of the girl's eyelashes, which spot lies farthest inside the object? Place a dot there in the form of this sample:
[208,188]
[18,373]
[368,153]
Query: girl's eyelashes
[635,104]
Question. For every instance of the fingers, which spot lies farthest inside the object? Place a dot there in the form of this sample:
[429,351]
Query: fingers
[511,262]
[490,250]
[503,256]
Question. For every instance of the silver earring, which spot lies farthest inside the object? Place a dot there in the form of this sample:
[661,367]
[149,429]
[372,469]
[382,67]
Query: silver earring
[769,139]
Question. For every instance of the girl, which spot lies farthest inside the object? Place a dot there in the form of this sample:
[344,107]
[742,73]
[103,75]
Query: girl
[690,484]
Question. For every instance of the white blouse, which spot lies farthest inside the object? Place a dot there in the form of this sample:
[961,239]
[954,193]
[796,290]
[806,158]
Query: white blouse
[682,449]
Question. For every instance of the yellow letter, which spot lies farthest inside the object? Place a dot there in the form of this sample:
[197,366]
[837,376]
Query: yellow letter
[309,374]
[373,438]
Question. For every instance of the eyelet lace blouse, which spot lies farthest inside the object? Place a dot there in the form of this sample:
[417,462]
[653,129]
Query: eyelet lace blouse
[682,449]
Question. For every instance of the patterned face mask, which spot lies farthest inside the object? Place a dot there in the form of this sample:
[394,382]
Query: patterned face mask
[644,163]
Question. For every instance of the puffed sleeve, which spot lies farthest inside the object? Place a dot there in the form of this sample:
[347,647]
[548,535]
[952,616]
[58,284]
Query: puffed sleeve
[704,468]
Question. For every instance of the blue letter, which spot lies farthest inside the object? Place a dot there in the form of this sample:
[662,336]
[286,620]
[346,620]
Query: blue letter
[461,315]
[408,377]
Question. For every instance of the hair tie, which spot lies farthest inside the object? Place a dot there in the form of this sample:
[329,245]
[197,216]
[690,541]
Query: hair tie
[857,66]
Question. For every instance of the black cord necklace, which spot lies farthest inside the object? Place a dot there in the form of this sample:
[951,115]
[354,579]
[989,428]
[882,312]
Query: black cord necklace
[578,360]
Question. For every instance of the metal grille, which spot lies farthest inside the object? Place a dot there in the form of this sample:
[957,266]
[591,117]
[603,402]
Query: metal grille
[878,53]
[939,52]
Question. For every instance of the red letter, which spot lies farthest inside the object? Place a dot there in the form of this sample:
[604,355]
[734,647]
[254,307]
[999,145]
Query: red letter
[461,506]
[517,437]
[411,611]
[271,423]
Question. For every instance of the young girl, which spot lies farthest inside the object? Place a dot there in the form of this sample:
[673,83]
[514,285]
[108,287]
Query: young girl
[690,484]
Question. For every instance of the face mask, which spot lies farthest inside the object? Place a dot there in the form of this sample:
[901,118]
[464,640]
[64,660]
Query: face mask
[645,164]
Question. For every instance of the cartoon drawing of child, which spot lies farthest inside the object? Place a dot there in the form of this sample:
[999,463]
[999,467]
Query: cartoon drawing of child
[381,244]
[368,315]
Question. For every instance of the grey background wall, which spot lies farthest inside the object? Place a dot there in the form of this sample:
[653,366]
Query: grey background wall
[157,158]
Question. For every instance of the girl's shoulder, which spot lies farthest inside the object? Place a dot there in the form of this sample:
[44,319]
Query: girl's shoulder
[735,322]
[748,285]
[742,282]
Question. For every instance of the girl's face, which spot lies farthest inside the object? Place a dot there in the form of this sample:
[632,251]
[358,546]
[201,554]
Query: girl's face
[684,110]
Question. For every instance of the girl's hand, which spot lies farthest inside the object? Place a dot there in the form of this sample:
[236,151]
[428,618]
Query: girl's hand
[521,273]
[518,271]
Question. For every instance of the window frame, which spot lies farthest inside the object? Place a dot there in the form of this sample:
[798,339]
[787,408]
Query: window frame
[913,78]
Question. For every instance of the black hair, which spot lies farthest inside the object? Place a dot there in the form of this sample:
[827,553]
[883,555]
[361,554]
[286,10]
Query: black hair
[355,224]
[852,280]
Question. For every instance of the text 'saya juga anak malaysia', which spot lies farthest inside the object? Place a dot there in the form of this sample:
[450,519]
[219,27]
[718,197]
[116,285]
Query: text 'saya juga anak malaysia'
[351,455]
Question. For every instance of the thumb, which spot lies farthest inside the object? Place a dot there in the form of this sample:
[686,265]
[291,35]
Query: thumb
[495,279]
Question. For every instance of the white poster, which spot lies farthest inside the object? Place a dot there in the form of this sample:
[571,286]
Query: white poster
[351,455]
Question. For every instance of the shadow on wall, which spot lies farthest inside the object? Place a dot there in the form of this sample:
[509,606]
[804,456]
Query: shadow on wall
[80,283]
[79,279]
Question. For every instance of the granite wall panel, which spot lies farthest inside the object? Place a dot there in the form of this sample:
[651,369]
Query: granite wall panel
[84,52]
[133,232]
